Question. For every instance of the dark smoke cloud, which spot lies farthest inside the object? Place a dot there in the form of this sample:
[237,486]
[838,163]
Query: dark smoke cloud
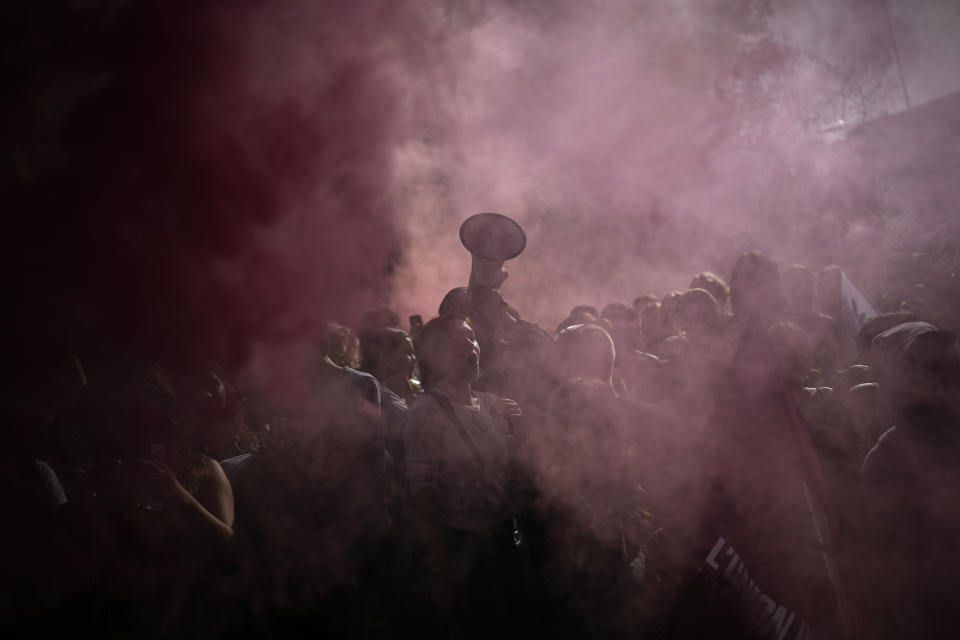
[200,179]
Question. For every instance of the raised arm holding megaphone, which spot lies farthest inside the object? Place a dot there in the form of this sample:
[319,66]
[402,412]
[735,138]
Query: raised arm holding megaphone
[510,347]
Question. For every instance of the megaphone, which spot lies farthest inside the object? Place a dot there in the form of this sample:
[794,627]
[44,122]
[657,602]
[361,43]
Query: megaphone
[491,239]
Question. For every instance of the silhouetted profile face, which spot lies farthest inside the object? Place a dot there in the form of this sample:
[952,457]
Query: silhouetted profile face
[403,360]
[448,351]
[388,353]
[217,418]
[461,354]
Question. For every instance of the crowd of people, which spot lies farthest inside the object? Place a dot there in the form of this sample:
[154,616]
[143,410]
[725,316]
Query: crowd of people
[750,458]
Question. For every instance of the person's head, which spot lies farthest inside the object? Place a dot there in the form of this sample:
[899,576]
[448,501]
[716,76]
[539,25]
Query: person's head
[623,323]
[388,353]
[755,289]
[799,286]
[581,317]
[585,308]
[714,285]
[918,307]
[456,303]
[915,291]
[619,314]
[872,327]
[212,407]
[586,351]
[643,301]
[667,306]
[651,321]
[697,313]
[917,365]
[340,345]
[448,351]
[865,408]
[674,349]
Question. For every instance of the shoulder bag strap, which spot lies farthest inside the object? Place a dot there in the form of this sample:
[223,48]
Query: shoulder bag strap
[448,409]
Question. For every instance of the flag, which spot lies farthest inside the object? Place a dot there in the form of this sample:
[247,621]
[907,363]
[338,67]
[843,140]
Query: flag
[855,309]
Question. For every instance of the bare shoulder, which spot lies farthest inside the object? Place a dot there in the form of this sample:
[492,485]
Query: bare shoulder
[216,494]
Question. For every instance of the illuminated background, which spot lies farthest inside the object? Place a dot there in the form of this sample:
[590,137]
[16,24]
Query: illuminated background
[220,178]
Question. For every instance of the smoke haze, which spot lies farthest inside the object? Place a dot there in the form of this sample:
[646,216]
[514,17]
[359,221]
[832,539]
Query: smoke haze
[218,180]
[638,144]
[226,177]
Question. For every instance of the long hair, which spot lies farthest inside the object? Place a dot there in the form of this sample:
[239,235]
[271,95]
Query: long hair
[341,345]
